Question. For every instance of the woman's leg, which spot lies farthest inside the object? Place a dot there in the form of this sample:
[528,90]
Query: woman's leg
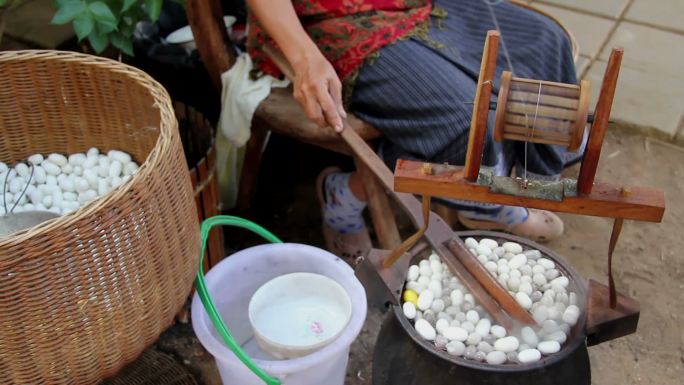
[419,94]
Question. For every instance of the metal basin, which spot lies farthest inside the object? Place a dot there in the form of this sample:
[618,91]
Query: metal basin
[401,356]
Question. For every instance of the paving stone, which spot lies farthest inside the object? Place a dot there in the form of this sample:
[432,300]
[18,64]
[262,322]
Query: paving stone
[648,49]
[665,13]
[590,31]
[644,99]
[582,65]
[611,8]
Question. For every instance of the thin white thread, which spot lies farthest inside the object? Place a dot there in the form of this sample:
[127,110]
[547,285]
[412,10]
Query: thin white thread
[498,28]
[513,85]
[531,134]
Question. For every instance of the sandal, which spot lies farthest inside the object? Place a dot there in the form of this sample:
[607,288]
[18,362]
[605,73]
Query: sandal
[346,246]
[540,225]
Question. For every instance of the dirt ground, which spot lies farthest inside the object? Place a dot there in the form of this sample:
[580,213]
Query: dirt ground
[648,262]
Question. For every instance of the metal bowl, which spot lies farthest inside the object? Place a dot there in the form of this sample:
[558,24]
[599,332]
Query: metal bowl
[413,360]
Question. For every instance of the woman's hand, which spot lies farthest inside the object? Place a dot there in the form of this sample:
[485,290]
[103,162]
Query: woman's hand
[318,90]
[316,85]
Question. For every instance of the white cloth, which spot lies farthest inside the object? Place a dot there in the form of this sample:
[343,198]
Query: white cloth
[239,99]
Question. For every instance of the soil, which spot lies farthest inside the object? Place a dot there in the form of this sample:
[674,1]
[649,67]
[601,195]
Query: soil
[648,264]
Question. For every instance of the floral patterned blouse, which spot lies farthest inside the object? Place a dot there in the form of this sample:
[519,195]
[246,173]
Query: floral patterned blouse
[346,31]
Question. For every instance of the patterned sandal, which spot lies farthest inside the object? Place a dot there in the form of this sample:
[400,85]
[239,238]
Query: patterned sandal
[540,225]
[346,246]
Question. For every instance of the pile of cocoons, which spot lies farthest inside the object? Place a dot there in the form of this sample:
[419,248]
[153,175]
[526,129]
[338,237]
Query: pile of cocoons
[63,183]
[444,312]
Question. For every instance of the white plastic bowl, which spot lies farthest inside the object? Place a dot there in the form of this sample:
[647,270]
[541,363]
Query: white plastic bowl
[296,314]
[184,36]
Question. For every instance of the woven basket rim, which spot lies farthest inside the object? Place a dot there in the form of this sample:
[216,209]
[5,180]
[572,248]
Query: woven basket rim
[162,102]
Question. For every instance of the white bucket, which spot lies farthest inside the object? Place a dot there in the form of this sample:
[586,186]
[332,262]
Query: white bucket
[232,283]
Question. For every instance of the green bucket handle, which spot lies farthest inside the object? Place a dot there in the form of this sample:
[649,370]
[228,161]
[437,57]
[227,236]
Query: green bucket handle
[203,293]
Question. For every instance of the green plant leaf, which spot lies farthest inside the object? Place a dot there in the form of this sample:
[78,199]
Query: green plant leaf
[103,15]
[126,29]
[83,25]
[67,11]
[102,12]
[127,5]
[98,41]
[154,8]
[2,2]
[123,43]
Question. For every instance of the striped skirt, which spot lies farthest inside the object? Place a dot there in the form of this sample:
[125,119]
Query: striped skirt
[419,91]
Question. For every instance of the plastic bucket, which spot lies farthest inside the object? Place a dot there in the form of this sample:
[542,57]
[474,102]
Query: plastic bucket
[231,285]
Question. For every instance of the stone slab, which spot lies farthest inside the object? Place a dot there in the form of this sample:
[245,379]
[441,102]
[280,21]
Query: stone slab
[661,13]
[582,65]
[610,8]
[644,99]
[648,49]
[590,31]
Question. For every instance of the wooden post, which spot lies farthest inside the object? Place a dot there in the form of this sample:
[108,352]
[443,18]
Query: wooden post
[478,123]
[592,153]
[379,207]
[206,21]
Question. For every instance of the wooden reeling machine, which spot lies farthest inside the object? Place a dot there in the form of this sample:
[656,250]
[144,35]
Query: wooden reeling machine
[538,111]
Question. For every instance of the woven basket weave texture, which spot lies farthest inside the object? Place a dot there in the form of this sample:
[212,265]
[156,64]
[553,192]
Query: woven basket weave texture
[153,368]
[86,293]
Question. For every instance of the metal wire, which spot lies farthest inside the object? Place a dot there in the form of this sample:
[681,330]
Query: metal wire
[490,4]
[23,192]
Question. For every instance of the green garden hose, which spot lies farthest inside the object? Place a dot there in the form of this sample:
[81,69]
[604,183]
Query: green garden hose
[203,293]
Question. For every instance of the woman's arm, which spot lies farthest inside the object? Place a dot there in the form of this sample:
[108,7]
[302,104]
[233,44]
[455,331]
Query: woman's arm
[317,87]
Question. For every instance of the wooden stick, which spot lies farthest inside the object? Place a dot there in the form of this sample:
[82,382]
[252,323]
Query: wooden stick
[548,88]
[478,123]
[546,100]
[582,115]
[410,241]
[500,114]
[531,109]
[379,207]
[493,287]
[538,132]
[614,235]
[536,139]
[542,123]
[437,232]
[585,181]
[606,200]
[476,288]
[206,21]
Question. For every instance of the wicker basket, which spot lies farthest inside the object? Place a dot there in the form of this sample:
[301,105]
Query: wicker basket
[153,368]
[86,293]
[197,135]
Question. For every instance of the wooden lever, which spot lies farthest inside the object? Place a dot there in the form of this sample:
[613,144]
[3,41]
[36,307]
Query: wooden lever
[485,289]
[498,292]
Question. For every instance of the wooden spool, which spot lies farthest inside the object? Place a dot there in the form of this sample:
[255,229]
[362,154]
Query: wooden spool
[541,112]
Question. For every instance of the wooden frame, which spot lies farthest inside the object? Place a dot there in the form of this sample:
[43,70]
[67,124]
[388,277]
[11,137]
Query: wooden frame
[605,200]
[478,123]
[597,199]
